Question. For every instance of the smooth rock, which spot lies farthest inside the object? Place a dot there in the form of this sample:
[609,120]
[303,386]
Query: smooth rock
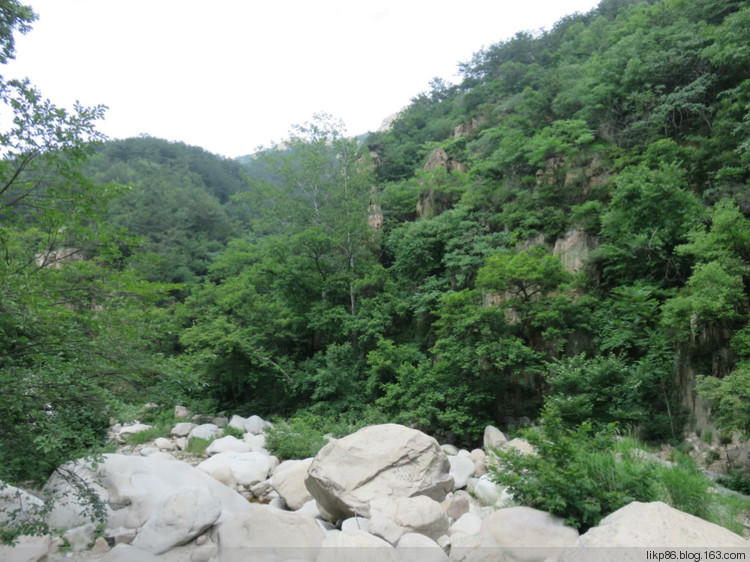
[207,431]
[127,553]
[468,524]
[27,549]
[462,468]
[178,518]
[255,442]
[131,487]
[493,438]
[237,422]
[288,480]
[17,505]
[528,534]
[413,547]
[181,412]
[356,524]
[134,428]
[490,493]
[418,514]
[377,461]
[80,538]
[264,532]
[449,449]
[652,525]
[226,444]
[254,425]
[339,546]
[456,505]
[479,457]
[148,451]
[247,469]
[183,429]
[164,444]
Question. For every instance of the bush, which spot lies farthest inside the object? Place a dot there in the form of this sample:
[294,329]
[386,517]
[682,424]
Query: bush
[578,474]
[583,476]
[197,446]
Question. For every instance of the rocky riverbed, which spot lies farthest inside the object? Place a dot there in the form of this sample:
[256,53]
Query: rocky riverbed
[385,492]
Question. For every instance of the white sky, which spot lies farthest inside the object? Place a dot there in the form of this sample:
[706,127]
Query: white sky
[232,75]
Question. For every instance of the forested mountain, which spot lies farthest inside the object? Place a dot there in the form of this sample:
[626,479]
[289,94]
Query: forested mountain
[565,230]
[177,203]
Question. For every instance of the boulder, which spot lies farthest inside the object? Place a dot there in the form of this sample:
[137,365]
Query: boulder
[522,446]
[247,469]
[263,532]
[237,422]
[493,438]
[479,457]
[228,443]
[468,524]
[462,468]
[207,431]
[183,429]
[475,548]
[254,425]
[164,444]
[490,493]
[375,462]
[127,553]
[181,412]
[132,489]
[339,546]
[255,442]
[449,449]
[457,504]
[27,549]
[418,514]
[17,505]
[654,524]
[288,480]
[134,428]
[355,524]
[80,538]
[524,533]
[178,518]
[413,547]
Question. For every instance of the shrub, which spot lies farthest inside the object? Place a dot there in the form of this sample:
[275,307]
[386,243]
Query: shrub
[578,474]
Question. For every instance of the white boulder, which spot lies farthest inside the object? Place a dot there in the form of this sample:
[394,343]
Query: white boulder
[288,480]
[375,462]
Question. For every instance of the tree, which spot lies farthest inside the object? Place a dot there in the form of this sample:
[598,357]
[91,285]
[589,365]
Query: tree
[74,329]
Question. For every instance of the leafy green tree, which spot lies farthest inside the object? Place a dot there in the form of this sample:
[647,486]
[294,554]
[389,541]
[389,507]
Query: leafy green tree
[651,213]
[75,330]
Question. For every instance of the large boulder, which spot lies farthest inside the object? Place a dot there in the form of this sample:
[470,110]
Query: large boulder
[153,497]
[246,468]
[419,514]
[648,525]
[289,481]
[524,533]
[262,532]
[377,461]
[178,518]
[351,545]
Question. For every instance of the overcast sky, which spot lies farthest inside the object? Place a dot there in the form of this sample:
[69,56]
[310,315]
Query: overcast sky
[232,75]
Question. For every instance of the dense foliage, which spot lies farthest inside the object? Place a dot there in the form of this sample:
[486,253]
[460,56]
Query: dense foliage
[567,226]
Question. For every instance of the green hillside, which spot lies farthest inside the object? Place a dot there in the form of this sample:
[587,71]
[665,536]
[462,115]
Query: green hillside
[566,229]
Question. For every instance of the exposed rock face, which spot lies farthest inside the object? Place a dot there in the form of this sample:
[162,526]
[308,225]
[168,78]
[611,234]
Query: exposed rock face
[378,461]
[574,249]
[439,159]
